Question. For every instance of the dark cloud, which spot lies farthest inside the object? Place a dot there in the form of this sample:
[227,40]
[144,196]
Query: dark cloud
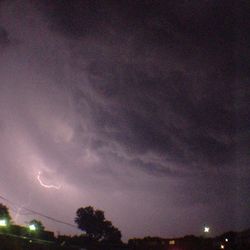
[129,104]
[4,38]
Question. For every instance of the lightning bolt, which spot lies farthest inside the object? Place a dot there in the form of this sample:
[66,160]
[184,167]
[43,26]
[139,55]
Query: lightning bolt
[45,185]
[19,209]
[18,212]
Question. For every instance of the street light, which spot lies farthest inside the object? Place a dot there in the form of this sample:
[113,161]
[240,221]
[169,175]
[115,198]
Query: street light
[206,229]
[32,227]
[3,223]
[222,246]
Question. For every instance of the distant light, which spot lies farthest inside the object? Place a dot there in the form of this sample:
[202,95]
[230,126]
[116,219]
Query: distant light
[226,239]
[3,222]
[206,229]
[32,227]
[222,246]
[172,242]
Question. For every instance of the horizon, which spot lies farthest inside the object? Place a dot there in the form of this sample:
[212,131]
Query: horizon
[205,234]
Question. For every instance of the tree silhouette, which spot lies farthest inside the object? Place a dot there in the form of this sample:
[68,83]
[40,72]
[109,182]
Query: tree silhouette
[96,227]
[4,213]
[111,233]
[91,222]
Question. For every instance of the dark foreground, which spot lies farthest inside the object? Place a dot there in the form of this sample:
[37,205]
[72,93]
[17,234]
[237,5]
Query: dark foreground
[227,241]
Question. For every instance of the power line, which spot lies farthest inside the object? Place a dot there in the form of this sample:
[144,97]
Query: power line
[15,208]
[41,214]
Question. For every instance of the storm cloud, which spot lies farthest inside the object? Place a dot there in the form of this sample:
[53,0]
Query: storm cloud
[140,108]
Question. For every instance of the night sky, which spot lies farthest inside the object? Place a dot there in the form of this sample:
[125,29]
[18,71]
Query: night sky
[138,108]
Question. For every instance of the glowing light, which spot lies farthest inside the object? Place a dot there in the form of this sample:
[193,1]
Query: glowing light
[222,246]
[32,227]
[45,185]
[206,229]
[3,222]
[172,242]
[226,239]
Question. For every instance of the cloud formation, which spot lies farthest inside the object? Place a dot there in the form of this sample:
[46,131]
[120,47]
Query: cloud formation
[140,109]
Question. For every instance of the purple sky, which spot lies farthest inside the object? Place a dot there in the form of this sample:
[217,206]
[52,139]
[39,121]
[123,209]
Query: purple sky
[138,108]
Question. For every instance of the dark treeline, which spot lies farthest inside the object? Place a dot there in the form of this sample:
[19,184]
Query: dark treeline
[100,234]
[227,241]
